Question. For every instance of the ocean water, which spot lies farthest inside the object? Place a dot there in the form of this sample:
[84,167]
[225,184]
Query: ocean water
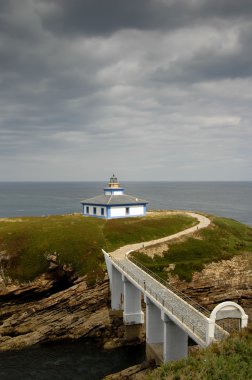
[67,361]
[230,199]
[81,360]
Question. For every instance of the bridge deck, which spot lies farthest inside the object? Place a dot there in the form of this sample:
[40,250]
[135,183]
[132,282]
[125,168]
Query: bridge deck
[183,311]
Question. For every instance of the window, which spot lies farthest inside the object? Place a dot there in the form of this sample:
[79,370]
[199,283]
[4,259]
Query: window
[94,210]
[127,210]
[102,211]
[87,210]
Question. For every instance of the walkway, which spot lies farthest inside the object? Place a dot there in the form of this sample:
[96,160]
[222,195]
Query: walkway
[182,310]
[203,223]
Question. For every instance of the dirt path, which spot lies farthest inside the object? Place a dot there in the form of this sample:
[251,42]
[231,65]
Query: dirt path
[203,223]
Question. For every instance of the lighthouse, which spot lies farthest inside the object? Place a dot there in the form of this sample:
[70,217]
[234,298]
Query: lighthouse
[114,203]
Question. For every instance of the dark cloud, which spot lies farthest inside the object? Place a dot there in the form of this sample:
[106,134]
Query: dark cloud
[207,66]
[5,6]
[154,82]
[95,17]
[224,8]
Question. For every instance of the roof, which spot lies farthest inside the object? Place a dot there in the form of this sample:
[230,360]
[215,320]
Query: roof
[107,200]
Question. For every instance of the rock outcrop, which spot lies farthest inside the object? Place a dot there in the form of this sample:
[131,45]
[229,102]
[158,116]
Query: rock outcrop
[71,313]
[136,372]
[226,280]
[58,305]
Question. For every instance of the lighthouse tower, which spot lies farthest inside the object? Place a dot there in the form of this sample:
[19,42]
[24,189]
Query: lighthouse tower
[113,187]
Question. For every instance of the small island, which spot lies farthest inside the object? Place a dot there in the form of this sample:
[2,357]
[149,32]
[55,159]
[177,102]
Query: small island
[53,277]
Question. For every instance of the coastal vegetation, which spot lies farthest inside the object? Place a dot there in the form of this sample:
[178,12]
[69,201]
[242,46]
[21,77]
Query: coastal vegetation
[228,359]
[27,242]
[224,239]
[75,242]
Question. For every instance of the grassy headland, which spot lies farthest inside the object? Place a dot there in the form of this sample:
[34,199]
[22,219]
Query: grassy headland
[26,242]
[223,240]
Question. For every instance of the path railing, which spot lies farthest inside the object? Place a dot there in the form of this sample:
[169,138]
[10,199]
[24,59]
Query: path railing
[188,312]
[183,296]
[199,328]
[194,318]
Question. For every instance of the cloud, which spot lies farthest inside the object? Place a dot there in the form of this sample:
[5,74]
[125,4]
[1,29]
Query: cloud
[151,89]
[93,17]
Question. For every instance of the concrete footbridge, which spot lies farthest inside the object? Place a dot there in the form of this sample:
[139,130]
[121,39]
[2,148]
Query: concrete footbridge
[170,315]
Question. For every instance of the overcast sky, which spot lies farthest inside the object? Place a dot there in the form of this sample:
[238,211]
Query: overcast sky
[148,89]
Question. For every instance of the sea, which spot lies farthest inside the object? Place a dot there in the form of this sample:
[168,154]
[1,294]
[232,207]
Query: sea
[229,199]
[84,360]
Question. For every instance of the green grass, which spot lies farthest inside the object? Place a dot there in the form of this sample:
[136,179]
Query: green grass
[29,242]
[78,242]
[26,242]
[224,240]
[227,360]
[119,232]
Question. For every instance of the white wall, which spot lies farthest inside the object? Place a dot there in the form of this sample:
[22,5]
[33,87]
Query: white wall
[121,211]
[137,210]
[117,211]
[113,191]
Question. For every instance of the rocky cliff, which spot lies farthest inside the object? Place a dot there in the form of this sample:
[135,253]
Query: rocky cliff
[59,305]
[226,280]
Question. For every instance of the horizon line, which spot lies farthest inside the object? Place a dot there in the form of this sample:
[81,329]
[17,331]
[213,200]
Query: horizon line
[123,180]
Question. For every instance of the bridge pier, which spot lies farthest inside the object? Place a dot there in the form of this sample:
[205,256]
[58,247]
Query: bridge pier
[175,340]
[132,314]
[154,332]
[154,325]
[167,340]
[116,288]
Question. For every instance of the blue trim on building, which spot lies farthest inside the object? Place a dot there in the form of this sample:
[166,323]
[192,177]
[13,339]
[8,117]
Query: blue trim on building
[107,209]
[126,216]
[113,217]
[113,189]
[114,204]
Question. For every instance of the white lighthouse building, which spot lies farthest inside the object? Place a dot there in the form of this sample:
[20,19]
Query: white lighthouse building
[114,203]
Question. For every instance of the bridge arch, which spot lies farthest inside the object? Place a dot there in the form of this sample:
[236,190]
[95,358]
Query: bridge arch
[227,309]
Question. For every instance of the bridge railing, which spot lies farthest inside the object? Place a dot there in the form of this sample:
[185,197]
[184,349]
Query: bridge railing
[219,332]
[199,326]
[198,329]
[200,332]
[187,299]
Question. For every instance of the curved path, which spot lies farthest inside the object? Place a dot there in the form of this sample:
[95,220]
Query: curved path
[185,312]
[203,223]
